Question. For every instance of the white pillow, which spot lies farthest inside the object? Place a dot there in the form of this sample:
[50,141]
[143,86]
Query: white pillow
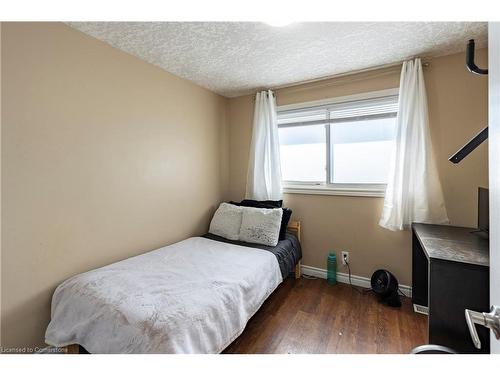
[261,225]
[227,221]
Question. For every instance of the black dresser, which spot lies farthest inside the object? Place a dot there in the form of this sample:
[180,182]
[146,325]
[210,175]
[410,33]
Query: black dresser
[450,272]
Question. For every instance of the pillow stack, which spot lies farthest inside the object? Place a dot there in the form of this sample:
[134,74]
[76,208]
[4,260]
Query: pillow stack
[285,218]
[262,222]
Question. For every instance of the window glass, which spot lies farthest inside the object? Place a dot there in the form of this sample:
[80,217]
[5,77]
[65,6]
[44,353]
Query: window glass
[303,153]
[362,150]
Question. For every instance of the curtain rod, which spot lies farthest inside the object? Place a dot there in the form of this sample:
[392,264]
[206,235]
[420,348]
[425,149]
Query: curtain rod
[425,64]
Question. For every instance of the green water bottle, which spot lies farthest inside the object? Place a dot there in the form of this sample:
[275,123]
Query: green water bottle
[331,275]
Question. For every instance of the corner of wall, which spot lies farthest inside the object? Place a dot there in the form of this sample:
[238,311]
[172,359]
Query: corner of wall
[0,184]
[239,120]
[224,150]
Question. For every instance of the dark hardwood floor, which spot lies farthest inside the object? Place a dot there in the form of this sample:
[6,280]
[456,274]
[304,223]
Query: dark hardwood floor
[309,316]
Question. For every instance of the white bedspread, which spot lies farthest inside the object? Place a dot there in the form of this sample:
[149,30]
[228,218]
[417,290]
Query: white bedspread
[194,296]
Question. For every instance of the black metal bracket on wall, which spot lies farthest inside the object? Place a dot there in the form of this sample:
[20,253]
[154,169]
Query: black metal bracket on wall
[483,134]
[469,146]
[469,59]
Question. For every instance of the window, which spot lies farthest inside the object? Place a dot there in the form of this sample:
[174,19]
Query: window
[343,146]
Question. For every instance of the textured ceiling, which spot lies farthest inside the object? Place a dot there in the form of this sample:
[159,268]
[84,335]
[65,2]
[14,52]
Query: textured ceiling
[236,58]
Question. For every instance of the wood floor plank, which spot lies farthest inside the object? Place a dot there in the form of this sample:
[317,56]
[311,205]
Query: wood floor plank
[366,327]
[310,316]
[301,336]
[280,309]
[388,334]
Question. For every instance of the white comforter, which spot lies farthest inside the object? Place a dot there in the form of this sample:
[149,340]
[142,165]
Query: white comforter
[194,296]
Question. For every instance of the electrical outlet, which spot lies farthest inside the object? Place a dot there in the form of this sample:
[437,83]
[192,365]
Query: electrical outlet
[345,257]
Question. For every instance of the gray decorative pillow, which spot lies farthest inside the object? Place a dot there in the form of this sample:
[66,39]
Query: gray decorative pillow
[227,221]
[261,225]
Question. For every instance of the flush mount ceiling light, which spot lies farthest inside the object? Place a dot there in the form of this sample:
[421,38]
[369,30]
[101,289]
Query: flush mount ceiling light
[278,22]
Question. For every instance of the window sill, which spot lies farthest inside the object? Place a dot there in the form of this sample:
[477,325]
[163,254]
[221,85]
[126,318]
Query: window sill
[326,190]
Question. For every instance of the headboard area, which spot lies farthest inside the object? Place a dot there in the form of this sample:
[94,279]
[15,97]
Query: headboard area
[294,228]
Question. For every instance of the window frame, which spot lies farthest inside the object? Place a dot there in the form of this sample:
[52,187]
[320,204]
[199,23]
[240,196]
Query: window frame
[328,188]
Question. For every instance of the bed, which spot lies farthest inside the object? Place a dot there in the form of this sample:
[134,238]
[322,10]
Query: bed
[195,296]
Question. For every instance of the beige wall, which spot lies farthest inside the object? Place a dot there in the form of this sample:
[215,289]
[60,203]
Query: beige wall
[0,183]
[103,157]
[458,109]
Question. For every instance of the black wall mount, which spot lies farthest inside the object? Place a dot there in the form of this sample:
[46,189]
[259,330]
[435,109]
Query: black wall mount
[469,59]
[469,146]
[483,134]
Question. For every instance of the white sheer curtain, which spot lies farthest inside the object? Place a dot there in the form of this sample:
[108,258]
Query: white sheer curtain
[414,191]
[264,168]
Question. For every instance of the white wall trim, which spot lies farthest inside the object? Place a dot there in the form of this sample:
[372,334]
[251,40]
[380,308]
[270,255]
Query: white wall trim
[343,278]
[340,99]
[494,167]
[322,190]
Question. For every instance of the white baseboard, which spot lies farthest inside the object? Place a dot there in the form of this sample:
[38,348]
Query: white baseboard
[361,281]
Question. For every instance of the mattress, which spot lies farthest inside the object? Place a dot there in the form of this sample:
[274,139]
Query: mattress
[194,296]
[288,252]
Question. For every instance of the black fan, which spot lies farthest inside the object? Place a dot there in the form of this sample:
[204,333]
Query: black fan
[385,285]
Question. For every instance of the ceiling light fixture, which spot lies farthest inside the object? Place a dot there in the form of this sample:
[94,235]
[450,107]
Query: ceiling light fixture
[278,23]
